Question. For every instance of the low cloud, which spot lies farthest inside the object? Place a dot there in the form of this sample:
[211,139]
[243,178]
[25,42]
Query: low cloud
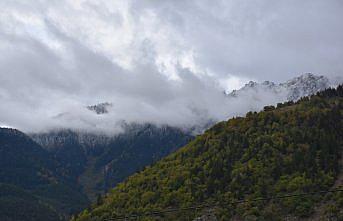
[163,62]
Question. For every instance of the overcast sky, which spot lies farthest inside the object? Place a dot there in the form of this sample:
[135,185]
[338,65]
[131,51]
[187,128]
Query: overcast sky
[158,61]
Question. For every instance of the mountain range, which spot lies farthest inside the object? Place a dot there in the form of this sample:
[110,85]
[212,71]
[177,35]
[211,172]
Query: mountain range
[283,161]
[291,90]
[98,161]
[253,96]
[63,170]
[54,175]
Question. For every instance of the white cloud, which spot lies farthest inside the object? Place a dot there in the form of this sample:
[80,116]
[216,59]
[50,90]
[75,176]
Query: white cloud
[157,61]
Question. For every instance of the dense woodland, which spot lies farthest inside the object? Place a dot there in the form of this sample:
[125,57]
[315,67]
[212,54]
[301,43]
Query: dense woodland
[61,179]
[288,149]
[98,162]
[33,185]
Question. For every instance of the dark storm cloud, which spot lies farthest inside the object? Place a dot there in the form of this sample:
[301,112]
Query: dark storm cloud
[165,62]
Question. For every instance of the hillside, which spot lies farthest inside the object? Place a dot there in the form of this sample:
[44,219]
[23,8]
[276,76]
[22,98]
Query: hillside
[18,204]
[293,148]
[98,162]
[33,184]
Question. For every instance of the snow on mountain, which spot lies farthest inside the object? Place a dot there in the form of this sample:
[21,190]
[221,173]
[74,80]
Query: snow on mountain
[292,89]
[108,118]
[305,85]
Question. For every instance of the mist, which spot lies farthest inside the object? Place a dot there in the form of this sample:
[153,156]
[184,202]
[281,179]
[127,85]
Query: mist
[156,62]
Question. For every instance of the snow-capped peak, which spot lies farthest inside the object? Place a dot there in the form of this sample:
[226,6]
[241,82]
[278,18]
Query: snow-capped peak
[292,89]
[305,85]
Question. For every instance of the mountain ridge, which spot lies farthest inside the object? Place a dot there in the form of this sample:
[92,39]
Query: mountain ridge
[295,147]
[110,159]
[293,89]
[76,149]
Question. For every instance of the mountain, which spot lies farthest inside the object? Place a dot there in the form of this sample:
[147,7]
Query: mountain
[293,89]
[294,148]
[34,186]
[101,108]
[71,148]
[98,161]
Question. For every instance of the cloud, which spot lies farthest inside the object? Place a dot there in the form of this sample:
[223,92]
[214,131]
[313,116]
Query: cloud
[166,62]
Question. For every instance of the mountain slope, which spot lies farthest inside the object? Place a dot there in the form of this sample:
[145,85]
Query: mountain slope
[98,162]
[18,204]
[26,167]
[294,148]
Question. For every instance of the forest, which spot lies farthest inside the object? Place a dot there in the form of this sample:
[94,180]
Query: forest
[293,148]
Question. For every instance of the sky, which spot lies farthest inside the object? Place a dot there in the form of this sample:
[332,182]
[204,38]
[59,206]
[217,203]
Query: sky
[165,62]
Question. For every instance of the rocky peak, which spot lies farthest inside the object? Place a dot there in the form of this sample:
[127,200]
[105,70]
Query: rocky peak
[101,108]
[292,89]
[305,85]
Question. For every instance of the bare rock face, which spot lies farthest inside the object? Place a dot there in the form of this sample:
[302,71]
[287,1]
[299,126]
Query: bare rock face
[305,85]
[101,108]
[291,90]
